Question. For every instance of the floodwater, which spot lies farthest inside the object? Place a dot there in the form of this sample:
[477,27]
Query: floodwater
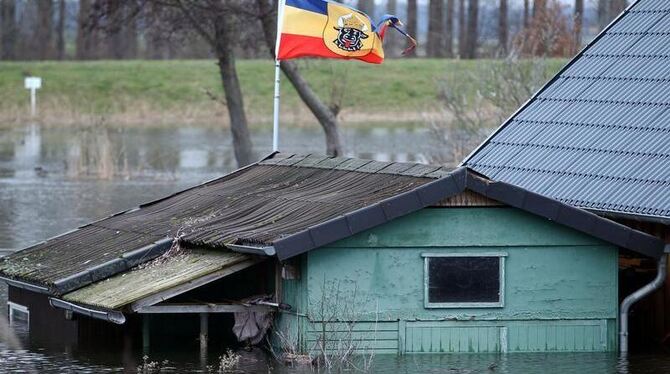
[53,180]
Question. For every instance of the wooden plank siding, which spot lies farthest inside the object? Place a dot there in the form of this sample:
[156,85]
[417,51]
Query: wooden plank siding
[380,337]
[560,286]
[468,198]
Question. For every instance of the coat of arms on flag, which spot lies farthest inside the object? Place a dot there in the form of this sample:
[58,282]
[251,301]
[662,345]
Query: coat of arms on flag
[318,28]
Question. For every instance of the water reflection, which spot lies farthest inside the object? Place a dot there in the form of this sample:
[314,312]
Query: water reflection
[52,180]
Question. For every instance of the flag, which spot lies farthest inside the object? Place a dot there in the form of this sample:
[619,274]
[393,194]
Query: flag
[318,28]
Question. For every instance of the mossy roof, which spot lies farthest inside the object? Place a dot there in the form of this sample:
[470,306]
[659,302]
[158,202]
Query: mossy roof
[268,201]
[160,274]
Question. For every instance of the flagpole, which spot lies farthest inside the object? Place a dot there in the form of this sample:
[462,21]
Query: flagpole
[275,116]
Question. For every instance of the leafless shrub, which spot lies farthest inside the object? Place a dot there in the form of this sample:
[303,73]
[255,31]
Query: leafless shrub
[289,350]
[150,367]
[550,33]
[466,117]
[94,154]
[338,346]
[228,361]
[338,87]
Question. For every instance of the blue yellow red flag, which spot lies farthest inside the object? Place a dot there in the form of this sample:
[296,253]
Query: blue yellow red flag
[318,28]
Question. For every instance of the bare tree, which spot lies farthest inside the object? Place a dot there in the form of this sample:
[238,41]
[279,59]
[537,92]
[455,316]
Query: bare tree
[115,23]
[616,7]
[412,22]
[60,31]
[86,34]
[472,30]
[579,22]
[367,7]
[392,40]
[462,29]
[608,9]
[603,13]
[121,28]
[550,33]
[218,23]
[43,30]
[8,29]
[539,7]
[449,30]
[526,13]
[435,28]
[326,116]
[223,40]
[156,48]
[130,35]
[502,27]
[467,118]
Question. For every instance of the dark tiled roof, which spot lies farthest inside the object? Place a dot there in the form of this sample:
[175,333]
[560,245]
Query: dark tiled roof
[598,135]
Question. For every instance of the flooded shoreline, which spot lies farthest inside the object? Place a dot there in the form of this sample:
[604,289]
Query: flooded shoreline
[54,180]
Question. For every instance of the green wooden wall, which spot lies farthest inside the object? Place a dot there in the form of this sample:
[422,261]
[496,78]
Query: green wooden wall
[560,287]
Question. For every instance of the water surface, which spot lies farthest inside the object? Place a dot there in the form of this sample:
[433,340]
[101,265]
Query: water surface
[53,180]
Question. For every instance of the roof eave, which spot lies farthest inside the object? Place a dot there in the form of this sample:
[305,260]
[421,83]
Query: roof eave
[568,215]
[631,216]
[371,216]
[113,316]
[459,180]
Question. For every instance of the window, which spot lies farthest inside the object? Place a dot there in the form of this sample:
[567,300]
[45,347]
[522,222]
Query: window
[19,316]
[464,280]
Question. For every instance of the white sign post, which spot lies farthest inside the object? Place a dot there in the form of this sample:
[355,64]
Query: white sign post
[33,84]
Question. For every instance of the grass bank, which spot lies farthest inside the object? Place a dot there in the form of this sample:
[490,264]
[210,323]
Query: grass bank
[189,91]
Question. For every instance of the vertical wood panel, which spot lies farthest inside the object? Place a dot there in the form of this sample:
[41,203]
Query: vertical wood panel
[439,337]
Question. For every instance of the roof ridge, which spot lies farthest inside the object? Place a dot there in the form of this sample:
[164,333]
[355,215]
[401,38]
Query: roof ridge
[354,164]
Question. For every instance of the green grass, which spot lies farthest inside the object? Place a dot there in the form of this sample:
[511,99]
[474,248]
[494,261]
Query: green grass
[112,87]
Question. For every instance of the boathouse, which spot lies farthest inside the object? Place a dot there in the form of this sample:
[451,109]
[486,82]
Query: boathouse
[398,257]
[597,136]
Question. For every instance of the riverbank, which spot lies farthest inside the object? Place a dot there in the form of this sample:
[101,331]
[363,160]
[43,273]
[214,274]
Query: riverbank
[188,92]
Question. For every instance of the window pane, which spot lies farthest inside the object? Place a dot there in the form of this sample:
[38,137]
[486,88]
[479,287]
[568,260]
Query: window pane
[464,279]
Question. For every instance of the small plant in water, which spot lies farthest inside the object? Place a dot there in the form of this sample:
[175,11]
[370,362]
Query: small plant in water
[228,361]
[148,366]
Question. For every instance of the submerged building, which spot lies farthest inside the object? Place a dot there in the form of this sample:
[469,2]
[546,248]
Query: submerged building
[597,136]
[399,257]
[541,241]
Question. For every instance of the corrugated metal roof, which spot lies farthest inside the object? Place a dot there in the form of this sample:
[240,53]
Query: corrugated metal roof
[258,205]
[597,136]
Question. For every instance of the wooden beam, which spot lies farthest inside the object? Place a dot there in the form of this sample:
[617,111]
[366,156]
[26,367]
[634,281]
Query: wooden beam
[202,308]
[178,290]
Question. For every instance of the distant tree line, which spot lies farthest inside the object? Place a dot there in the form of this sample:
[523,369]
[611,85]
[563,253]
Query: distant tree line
[69,29]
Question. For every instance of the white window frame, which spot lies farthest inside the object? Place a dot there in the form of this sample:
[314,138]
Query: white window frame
[499,304]
[13,308]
